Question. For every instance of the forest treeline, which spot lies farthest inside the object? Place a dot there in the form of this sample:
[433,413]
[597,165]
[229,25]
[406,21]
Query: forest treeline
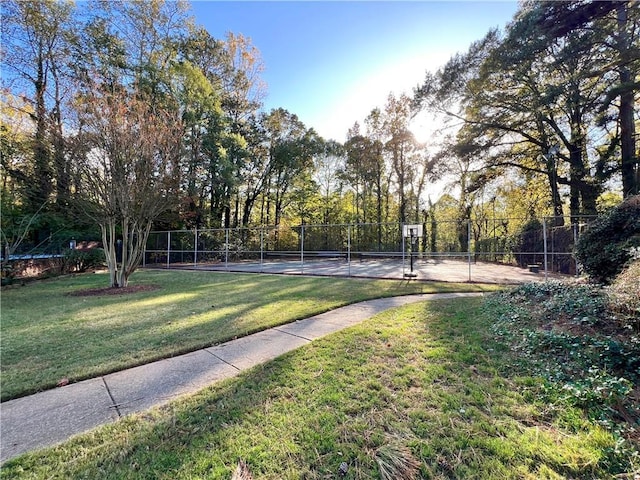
[130,116]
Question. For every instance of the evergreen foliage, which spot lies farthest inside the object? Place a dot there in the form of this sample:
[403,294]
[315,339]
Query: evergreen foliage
[611,241]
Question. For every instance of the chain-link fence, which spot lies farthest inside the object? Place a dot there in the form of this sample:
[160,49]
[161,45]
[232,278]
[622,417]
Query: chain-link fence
[489,249]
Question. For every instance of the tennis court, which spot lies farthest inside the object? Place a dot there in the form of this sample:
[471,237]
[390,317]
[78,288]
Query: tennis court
[447,270]
[390,251]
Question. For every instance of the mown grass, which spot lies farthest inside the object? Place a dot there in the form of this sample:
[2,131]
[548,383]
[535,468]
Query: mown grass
[48,335]
[422,391]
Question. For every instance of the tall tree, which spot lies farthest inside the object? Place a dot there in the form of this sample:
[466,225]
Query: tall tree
[406,157]
[255,170]
[291,150]
[36,37]
[328,165]
[617,28]
[626,46]
[148,35]
[378,173]
[131,172]
[534,101]
[204,135]
[232,67]
[357,172]
[244,91]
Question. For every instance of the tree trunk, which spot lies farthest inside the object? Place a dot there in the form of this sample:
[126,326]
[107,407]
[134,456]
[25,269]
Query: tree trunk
[577,167]
[629,162]
[552,173]
[108,229]
[63,177]
[40,148]
[589,193]
[246,211]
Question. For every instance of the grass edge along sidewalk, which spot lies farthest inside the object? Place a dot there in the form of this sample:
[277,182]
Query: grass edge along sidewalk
[422,391]
[52,416]
[51,337]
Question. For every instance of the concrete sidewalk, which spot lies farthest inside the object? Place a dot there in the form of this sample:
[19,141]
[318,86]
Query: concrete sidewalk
[50,417]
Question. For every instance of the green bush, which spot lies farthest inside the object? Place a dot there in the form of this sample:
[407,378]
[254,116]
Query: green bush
[610,241]
[624,296]
[530,239]
[82,260]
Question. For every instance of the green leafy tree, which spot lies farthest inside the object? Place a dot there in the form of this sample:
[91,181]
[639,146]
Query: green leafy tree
[617,29]
[229,149]
[404,153]
[378,171]
[203,121]
[329,162]
[360,168]
[291,150]
[534,99]
[36,38]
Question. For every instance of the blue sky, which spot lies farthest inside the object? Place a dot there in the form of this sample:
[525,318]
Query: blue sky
[332,62]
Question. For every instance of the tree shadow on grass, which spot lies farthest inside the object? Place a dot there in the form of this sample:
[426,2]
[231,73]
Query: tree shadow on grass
[424,375]
[105,334]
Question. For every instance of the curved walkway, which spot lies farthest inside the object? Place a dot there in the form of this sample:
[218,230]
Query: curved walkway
[50,417]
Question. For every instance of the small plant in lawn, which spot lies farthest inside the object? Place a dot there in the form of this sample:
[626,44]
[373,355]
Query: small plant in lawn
[597,390]
[395,460]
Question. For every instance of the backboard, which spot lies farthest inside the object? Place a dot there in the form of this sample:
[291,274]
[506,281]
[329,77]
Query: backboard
[411,230]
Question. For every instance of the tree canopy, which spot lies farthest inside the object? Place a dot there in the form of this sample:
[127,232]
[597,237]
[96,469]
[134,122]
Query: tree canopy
[544,110]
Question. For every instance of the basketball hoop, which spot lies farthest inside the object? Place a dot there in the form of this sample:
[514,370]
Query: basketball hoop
[412,232]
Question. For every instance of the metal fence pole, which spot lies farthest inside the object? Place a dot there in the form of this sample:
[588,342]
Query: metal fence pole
[469,246]
[544,240]
[302,249]
[261,248]
[226,249]
[195,248]
[349,249]
[168,247]
[403,248]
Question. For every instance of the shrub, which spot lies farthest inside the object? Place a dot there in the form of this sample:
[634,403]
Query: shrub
[608,244]
[624,295]
[530,239]
[82,260]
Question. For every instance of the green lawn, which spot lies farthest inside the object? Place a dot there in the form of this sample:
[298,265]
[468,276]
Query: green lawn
[48,335]
[422,391]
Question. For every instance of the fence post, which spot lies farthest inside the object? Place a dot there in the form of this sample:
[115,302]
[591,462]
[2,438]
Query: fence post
[302,249]
[403,249]
[226,249]
[349,249]
[544,241]
[469,246]
[240,245]
[261,248]
[575,242]
[168,247]
[195,248]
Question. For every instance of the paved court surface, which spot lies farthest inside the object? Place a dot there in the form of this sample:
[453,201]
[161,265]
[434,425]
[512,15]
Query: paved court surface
[50,417]
[443,270]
